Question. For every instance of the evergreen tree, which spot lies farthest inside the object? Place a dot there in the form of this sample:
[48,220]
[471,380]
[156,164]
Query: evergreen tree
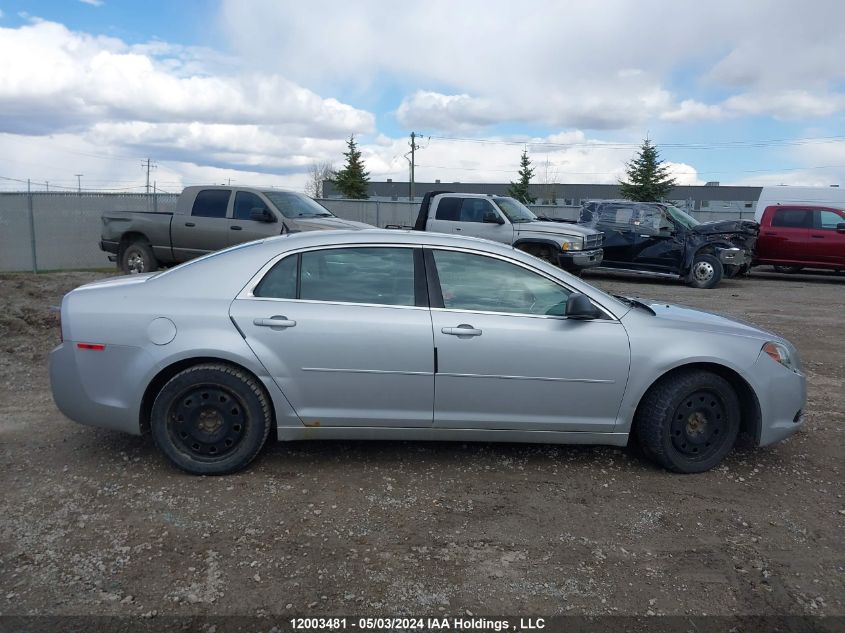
[648,179]
[519,189]
[352,181]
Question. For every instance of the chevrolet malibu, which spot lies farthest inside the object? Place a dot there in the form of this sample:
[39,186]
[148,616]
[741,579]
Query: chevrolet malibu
[374,334]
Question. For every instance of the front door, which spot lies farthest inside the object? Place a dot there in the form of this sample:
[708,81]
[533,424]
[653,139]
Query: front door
[346,335]
[656,244]
[477,220]
[616,222]
[242,228]
[506,362]
[826,244]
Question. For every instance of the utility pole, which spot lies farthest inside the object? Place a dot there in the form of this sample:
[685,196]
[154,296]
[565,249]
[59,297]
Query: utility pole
[411,160]
[146,164]
[79,183]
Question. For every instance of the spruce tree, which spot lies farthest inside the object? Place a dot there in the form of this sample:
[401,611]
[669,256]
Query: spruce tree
[352,181]
[519,189]
[648,179]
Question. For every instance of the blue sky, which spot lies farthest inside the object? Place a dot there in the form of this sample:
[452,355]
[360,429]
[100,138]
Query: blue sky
[259,91]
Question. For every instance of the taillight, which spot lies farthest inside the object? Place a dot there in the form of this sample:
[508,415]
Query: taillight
[97,347]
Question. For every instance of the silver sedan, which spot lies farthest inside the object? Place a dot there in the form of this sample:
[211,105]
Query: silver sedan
[410,336]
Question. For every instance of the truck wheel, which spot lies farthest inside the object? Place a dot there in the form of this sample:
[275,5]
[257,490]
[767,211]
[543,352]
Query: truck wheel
[137,258]
[790,270]
[688,421]
[706,272]
[540,252]
[211,419]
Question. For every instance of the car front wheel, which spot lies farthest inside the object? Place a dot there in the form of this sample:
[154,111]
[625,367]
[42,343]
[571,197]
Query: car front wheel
[706,272]
[211,419]
[688,421]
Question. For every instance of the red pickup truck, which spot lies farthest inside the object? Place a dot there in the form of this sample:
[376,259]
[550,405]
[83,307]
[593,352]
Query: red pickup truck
[801,236]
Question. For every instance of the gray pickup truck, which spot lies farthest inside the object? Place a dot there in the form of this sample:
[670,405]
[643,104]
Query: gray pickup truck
[209,219]
[502,219]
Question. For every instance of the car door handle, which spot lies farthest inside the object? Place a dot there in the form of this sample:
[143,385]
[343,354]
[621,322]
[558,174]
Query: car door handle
[457,228]
[189,224]
[275,321]
[235,228]
[820,237]
[462,330]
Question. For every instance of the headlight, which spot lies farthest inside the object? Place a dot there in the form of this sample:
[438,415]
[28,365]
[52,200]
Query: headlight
[780,353]
[572,246]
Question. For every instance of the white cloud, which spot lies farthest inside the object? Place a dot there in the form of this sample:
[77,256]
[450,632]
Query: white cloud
[64,79]
[93,3]
[558,64]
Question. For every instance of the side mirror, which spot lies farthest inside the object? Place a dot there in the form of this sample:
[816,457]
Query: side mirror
[580,307]
[492,218]
[840,228]
[260,214]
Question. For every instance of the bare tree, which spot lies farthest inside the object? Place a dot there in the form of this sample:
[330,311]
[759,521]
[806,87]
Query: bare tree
[317,174]
[548,187]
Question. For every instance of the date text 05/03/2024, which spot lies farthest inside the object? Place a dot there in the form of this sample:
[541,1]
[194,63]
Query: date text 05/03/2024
[476,624]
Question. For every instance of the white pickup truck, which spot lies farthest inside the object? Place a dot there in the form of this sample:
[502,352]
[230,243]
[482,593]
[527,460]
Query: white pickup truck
[502,219]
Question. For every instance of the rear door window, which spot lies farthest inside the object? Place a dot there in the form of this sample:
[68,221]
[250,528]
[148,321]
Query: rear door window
[448,209]
[793,218]
[211,203]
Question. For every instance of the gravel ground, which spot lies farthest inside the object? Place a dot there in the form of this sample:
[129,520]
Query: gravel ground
[94,522]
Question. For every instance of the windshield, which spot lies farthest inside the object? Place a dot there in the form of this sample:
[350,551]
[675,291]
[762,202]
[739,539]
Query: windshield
[681,217]
[515,211]
[296,205]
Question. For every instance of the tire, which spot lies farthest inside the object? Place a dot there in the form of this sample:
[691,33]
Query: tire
[706,272]
[789,270]
[688,421]
[211,419]
[540,252]
[138,257]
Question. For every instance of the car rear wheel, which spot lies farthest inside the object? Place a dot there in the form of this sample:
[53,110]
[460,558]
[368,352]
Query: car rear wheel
[138,257]
[211,419]
[688,421]
[706,272]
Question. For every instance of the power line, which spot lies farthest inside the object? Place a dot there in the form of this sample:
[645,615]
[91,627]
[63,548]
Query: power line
[620,146]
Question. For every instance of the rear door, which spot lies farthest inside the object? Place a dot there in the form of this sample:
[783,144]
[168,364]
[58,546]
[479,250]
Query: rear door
[242,228]
[785,234]
[616,222]
[447,213]
[346,335]
[206,229]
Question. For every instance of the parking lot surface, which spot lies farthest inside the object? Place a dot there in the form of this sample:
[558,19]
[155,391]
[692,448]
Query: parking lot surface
[95,522]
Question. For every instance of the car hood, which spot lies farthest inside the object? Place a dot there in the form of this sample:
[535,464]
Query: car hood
[326,224]
[555,228]
[683,317]
[742,227]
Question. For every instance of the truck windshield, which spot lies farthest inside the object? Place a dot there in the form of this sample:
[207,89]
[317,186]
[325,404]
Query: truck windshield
[682,218]
[515,211]
[295,205]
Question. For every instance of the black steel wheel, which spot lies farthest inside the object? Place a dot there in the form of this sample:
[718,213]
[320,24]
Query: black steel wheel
[211,419]
[688,421]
